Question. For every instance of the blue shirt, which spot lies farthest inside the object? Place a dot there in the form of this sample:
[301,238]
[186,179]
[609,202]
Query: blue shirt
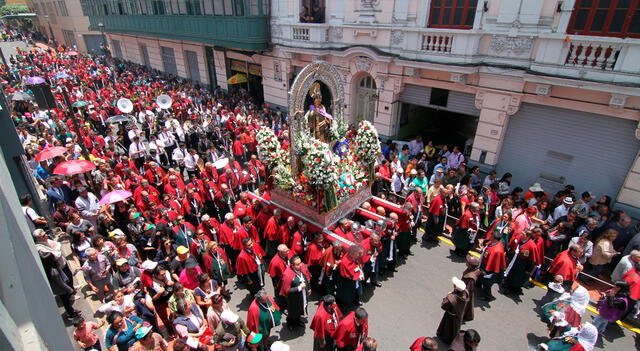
[42,173]
[125,339]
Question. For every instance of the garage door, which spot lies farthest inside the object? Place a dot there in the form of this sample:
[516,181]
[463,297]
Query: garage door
[556,147]
[453,101]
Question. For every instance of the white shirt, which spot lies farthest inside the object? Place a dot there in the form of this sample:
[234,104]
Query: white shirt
[166,138]
[179,154]
[191,161]
[132,133]
[136,150]
[88,207]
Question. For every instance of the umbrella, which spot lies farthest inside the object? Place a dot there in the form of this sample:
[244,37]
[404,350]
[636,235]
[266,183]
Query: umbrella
[118,119]
[79,104]
[21,96]
[61,75]
[72,53]
[35,80]
[50,153]
[115,196]
[237,79]
[74,167]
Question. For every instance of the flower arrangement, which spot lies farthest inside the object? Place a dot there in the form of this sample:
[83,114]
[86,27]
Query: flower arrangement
[269,149]
[283,178]
[320,164]
[367,143]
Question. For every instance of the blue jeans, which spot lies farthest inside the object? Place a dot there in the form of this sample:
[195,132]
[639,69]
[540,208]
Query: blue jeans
[600,323]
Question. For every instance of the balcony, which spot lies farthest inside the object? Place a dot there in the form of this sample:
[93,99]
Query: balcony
[609,60]
[244,26]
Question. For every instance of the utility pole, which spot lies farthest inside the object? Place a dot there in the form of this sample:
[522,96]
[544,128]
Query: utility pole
[71,115]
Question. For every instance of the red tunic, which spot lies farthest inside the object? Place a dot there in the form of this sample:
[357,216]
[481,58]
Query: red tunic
[246,263]
[271,230]
[297,244]
[253,316]
[243,233]
[349,268]
[284,235]
[289,275]
[207,260]
[565,265]
[369,249]
[494,259]
[632,277]
[227,235]
[437,206]
[417,345]
[468,220]
[539,258]
[314,254]
[348,334]
[278,265]
[324,323]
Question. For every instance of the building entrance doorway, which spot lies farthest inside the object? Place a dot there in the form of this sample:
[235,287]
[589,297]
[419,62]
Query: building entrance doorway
[440,126]
[366,99]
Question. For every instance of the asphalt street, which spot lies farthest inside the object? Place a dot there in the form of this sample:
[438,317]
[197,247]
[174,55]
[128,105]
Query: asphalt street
[407,306]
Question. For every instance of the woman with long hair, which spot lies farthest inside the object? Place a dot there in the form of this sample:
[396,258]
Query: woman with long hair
[504,185]
[603,252]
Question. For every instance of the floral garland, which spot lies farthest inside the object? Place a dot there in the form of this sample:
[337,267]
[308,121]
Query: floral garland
[320,165]
[269,149]
[367,143]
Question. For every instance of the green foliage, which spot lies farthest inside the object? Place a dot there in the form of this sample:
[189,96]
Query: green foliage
[13,9]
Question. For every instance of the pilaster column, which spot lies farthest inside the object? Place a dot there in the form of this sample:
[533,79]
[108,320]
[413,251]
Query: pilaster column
[495,109]
[630,192]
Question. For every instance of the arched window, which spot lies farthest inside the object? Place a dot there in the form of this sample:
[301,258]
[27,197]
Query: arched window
[368,82]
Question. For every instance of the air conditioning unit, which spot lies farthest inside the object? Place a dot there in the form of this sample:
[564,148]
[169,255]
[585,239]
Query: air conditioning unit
[543,89]
[458,78]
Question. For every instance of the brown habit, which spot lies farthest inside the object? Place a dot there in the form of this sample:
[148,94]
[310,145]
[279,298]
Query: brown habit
[470,277]
[454,305]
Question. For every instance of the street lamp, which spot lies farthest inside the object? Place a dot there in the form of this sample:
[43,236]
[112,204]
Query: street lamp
[104,38]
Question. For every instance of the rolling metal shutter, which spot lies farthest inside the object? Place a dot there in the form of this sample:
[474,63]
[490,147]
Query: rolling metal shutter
[457,101]
[555,147]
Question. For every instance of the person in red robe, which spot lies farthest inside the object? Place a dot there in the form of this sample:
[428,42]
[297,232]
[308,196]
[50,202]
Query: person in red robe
[349,284]
[296,287]
[300,240]
[436,217]
[352,330]
[324,324]
[424,343]
[314,259]
[567,264]
[271,232]
[250,266]
[286,231]
[466,230]
[263,303]
[372,247]
[227,235]
[492,264]
[246,230]
[522,264]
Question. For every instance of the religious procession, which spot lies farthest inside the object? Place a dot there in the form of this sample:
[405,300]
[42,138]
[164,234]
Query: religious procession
[188,218]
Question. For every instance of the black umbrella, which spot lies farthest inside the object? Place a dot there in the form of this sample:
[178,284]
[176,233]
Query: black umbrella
[118,119]
[21,96]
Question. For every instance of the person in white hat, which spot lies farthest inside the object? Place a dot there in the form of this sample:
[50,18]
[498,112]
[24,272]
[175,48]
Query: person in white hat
[454,307]
[230,334]
[562,210]
[279,346]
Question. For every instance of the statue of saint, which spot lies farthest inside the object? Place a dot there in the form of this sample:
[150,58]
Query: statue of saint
[317,116]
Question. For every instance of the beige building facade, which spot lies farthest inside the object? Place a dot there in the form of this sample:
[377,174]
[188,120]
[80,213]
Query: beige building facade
[65,21]
[547,90]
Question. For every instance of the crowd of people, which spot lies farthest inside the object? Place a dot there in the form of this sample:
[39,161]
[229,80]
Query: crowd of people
[198,213]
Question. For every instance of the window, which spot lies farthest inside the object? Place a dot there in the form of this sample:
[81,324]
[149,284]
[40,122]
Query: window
[144,55]
[368,82]
[193,7]
[63,8]
[608,18]
[158,7]
[86,8]
[312,11]
[192,65]
[69,38]
[169,60]
[117,49]
[452,13]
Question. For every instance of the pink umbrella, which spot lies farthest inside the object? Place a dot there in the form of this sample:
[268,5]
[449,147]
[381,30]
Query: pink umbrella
[115,196]
[74,167]
[50,153]
[72,53]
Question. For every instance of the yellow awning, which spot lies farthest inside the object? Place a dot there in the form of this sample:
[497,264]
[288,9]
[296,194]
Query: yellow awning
[237,79]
